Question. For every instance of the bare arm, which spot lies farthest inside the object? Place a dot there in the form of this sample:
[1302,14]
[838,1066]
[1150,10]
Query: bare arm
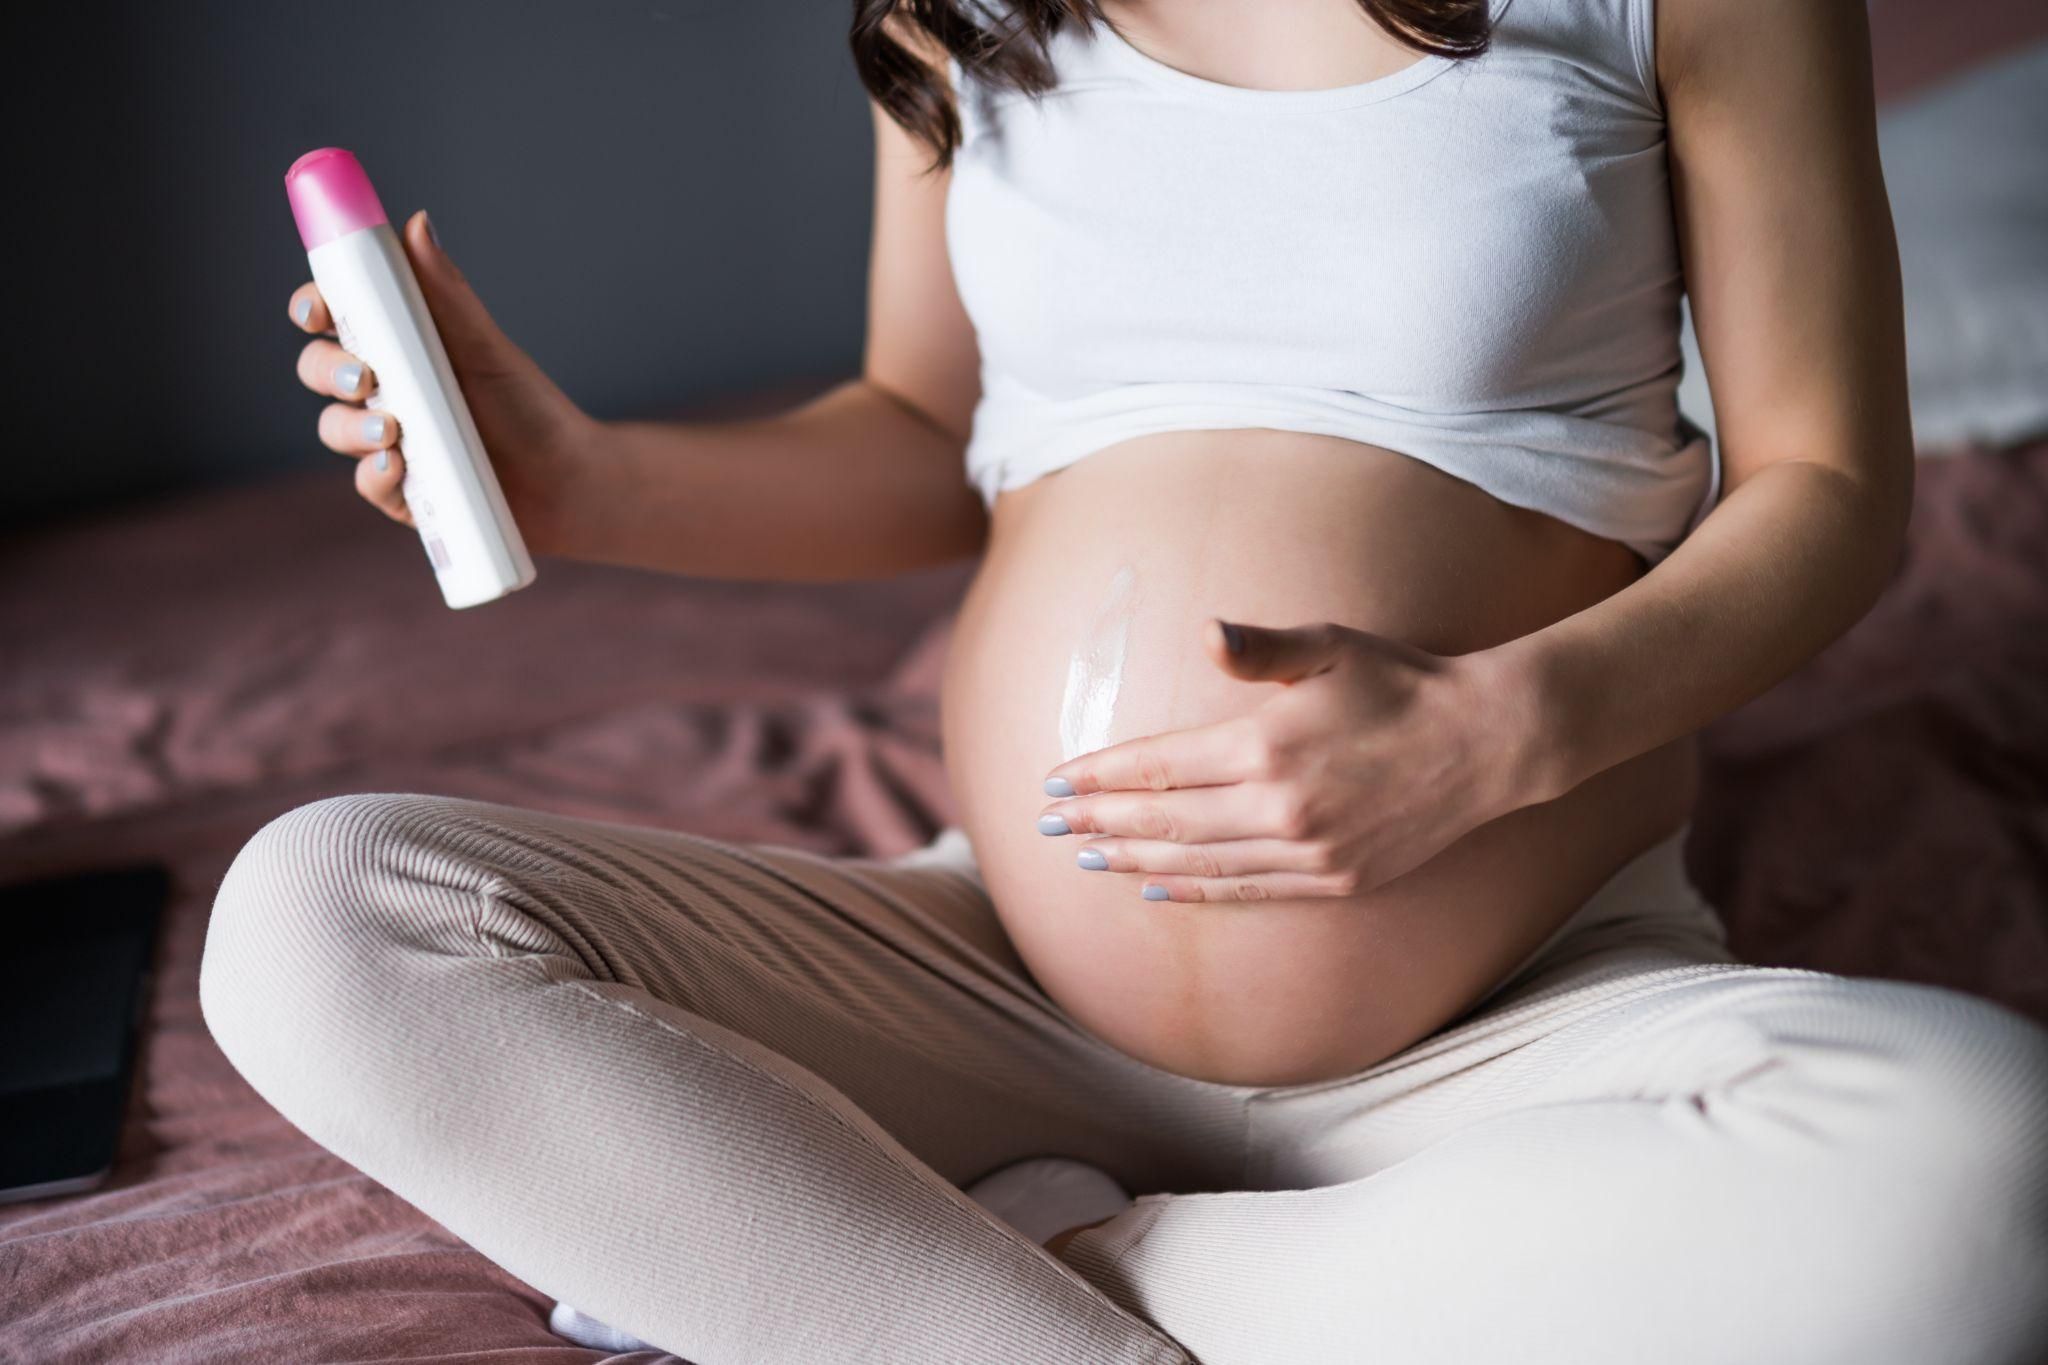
[864,481]
[1793,272]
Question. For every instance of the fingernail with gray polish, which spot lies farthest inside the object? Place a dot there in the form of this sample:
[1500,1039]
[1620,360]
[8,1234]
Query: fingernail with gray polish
[1092,859]
[302,311]
[374,428]
[1157,893]
[384,460]
[1053,824]
[346,377]
[1058,786]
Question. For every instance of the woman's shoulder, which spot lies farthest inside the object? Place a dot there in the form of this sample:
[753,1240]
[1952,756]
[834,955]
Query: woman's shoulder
[1612,42]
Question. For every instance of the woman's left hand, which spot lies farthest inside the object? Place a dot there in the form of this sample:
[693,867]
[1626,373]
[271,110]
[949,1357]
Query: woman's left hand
[1371,757]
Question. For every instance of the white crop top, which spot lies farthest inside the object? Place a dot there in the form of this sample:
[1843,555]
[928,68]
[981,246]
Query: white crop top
[1473,263]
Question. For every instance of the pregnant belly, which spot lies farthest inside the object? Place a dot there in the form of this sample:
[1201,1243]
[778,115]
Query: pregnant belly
[1126,554]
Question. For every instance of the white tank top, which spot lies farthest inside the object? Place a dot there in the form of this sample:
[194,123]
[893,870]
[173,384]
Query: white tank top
[1472,263]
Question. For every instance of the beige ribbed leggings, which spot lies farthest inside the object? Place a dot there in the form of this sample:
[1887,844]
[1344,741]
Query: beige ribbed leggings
[723,1097]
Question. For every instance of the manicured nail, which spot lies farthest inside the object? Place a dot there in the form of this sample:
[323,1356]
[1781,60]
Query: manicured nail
[384,461]
[432,235]
[1053,824]
[346,377]
[302,311]
[1058,786]
[1092,859]
[1157,893]
[374,427]
[1233,638]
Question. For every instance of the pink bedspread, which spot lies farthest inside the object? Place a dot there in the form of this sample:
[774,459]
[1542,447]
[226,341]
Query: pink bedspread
[176,676]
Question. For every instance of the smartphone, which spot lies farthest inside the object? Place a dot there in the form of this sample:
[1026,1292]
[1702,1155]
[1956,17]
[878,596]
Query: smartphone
[75,955]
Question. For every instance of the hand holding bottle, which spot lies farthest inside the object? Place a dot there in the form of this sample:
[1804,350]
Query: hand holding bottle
[496,434]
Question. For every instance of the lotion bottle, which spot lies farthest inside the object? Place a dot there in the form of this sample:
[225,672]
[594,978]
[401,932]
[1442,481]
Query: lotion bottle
[381,318]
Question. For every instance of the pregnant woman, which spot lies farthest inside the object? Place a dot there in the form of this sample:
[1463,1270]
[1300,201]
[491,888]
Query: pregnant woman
[1320,722]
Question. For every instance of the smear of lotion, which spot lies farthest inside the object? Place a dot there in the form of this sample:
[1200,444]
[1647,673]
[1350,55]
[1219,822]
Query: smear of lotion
[1095,673]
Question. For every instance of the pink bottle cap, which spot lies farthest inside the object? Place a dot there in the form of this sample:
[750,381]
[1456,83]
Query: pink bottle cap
[331,197]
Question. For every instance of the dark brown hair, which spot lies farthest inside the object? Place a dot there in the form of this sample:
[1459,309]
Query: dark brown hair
[1012,53]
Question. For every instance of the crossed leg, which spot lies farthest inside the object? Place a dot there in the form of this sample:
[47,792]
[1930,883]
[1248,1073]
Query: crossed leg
[721,1097]
[1686,1163]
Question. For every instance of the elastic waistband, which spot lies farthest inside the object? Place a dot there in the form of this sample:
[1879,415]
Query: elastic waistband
[1651,890]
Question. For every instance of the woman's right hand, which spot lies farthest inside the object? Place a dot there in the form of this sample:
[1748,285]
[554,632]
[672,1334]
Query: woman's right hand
[533,433]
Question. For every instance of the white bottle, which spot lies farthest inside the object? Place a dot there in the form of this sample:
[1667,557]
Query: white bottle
[382,319]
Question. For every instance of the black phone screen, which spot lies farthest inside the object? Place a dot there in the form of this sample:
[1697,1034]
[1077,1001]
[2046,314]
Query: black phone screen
[75,954]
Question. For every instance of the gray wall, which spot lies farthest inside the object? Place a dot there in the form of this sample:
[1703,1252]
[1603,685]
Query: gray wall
[662,200]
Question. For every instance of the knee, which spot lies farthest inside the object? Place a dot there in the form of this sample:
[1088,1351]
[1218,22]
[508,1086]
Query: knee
[1941,1194]
[300,919]
[1964,1103]
[1984,1101]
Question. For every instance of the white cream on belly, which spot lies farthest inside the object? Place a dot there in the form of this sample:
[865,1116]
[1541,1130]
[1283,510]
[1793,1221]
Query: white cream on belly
[1095,673]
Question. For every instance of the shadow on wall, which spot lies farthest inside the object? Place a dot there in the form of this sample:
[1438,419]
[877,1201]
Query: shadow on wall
[662,200]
